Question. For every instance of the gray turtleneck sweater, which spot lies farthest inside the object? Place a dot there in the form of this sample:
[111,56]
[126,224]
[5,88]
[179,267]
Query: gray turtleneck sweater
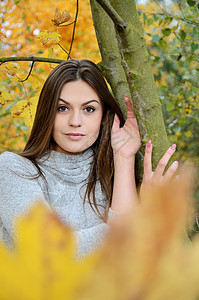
[66,178]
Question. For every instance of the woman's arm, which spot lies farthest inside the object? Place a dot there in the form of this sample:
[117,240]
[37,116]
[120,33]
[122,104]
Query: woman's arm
[17,193]
[124,188]
[125,143]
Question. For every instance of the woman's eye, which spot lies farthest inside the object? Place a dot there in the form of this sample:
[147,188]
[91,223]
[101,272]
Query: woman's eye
[62,108]
[90,109]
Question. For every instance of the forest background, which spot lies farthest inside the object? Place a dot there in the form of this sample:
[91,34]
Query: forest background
[171,33]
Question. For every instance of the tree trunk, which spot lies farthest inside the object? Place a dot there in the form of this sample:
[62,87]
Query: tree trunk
[126,66]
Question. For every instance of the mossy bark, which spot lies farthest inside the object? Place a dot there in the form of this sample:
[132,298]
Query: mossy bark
[111,65]
[126,66]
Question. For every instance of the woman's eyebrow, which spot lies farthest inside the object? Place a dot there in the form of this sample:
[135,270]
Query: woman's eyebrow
[82,103]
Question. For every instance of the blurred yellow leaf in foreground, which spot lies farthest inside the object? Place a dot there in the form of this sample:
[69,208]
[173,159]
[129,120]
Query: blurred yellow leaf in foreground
[145,255]
[43,263]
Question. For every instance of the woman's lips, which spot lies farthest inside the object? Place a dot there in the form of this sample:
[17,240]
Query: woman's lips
[75,136]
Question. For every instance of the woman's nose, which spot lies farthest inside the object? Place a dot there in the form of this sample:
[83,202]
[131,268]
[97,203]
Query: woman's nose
[75,119]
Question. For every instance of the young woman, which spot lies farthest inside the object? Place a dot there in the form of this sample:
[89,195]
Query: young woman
[79,159]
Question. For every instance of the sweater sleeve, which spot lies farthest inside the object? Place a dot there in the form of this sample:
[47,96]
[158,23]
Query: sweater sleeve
[17,192]
[90,239]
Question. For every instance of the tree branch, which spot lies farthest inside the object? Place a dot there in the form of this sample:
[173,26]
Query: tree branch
[120,24]
[30,58]
[74,27]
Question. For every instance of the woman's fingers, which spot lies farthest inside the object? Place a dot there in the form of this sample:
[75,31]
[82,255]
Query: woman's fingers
[171,170]
[147,160]
[130,112]
[164,161]
[116,124]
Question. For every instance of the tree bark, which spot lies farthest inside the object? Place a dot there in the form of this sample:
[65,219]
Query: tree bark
[126,66]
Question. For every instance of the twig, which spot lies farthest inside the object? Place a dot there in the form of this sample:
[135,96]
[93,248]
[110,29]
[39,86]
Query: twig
[120,24]
[66,24]
[30,58]
[74,27]
[63,49]
[29,72]
[179,18]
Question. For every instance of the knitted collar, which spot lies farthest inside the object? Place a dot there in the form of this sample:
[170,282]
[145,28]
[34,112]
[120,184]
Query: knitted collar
[73,168]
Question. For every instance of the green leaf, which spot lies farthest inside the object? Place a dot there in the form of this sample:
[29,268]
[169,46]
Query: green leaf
[182,121]
[194,46]
[166,31]
[169,19]
[169,106]
[157,58]
[163,44]
[155,17]
[191,2]
[182,34]
[144,17]
[149,21]
[195,31]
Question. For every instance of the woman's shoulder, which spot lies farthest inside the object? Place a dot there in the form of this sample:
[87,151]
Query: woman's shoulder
[10,157]
[14,161]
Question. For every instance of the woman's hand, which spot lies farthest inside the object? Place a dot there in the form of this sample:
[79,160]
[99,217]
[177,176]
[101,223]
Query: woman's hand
[125,141]
[153,178]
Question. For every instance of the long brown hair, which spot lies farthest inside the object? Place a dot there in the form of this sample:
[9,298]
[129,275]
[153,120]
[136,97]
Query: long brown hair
[40,141]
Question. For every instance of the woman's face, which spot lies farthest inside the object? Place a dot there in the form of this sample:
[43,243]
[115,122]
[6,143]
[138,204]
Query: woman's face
[78,118]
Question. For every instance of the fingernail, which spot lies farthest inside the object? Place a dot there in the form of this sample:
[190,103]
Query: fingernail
[126,95]
[149,143]
[176,162]
[173,147]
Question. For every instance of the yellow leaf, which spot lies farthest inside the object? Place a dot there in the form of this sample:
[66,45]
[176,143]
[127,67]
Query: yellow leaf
[188,133]
[6,96]
[46,36]
[2,101]
[43,265]
[178,133]
[35,81]
[60,18]
[146,256]
[25,109]
[14,79]
[11,68]
[188,110]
